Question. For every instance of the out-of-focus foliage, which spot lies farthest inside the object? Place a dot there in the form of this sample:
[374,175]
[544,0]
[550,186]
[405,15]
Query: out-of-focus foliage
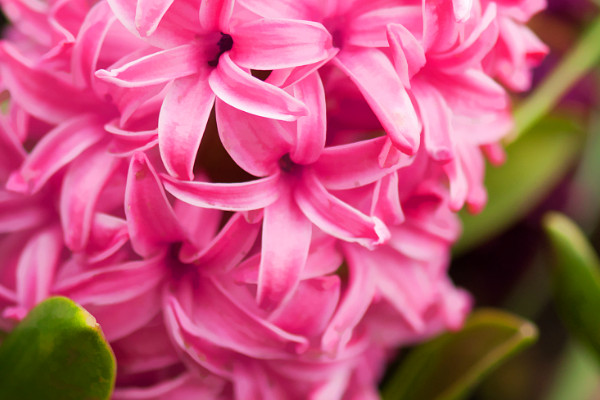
[576,279]
[450,366]
[57,352]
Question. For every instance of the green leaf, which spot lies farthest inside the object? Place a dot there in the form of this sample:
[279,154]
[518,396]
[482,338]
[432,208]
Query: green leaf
[449,367]
[576,279]
[535,164]
[574,66]
[57,352]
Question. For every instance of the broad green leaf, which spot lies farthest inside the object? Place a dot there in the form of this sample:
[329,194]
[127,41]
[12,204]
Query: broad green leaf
[57,352]
[535,164]
[450,366]
[576,279]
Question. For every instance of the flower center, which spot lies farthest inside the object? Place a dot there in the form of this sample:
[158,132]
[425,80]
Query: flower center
[287,165]
[225,43]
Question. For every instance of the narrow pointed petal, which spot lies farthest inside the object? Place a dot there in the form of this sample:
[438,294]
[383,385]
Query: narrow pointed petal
[255,143]
[377,80]
[182,122]
[215,14]
[219,319]
[283,43]
[354,303]
[241,90]
[354,165]
[462,9]
[148,14]
[37,266]
[244,196]
[107,235]
[151,220]
[311,129]
[368,29]
[407,52]
[227,249]
[19,212]
[83,182]
[113,284]
[285,241]
[59,147]
[320,295]
[336,217]
[386,200]
[160,67]
[437,123]
[440,30]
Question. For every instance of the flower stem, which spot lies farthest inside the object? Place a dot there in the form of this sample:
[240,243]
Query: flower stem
[574,66]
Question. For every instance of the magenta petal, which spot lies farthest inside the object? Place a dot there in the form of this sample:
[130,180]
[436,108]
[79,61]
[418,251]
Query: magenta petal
[227,249]
[217,318]
[241,90]
[181,123]
[48,97]
[437,123]
[386,200]
[407,52]
[89,42]
[150,218]
[320,296]
[159,67]
[244,196]
[148,14]
[376,78]
[81,187]
[336,217]
[215,14]
[283,43]
[311,129]
[115,283]
[255,143]
[285,241]
[440,30]
[19,212]
[354,303]
[37,265]
[59,147]
[354,165]
[107,235]
[462,9]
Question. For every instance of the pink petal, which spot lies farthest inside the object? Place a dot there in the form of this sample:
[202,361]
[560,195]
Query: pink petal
[160,67]
[292,9]
[312,129]
[227,249]
[386,200]
[368,29]
[215,14]
[336,217]
[37,265]
[89,43]
[440,30]
[255,143]
[308,312]
[244,196]
[285,241]
[113,284]
[354,165]
[150,218]
[241,90]
[218,319]
[437,121]
[82,184]
[182,122]
[283,43]
[376,78]
[107,235]
[56,149]
[462,9]
[354,303]
[51,98]
[148,14]
[407,52]
[19,212]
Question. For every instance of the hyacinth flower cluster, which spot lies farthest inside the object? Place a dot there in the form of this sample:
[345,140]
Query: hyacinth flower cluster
[255,199]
